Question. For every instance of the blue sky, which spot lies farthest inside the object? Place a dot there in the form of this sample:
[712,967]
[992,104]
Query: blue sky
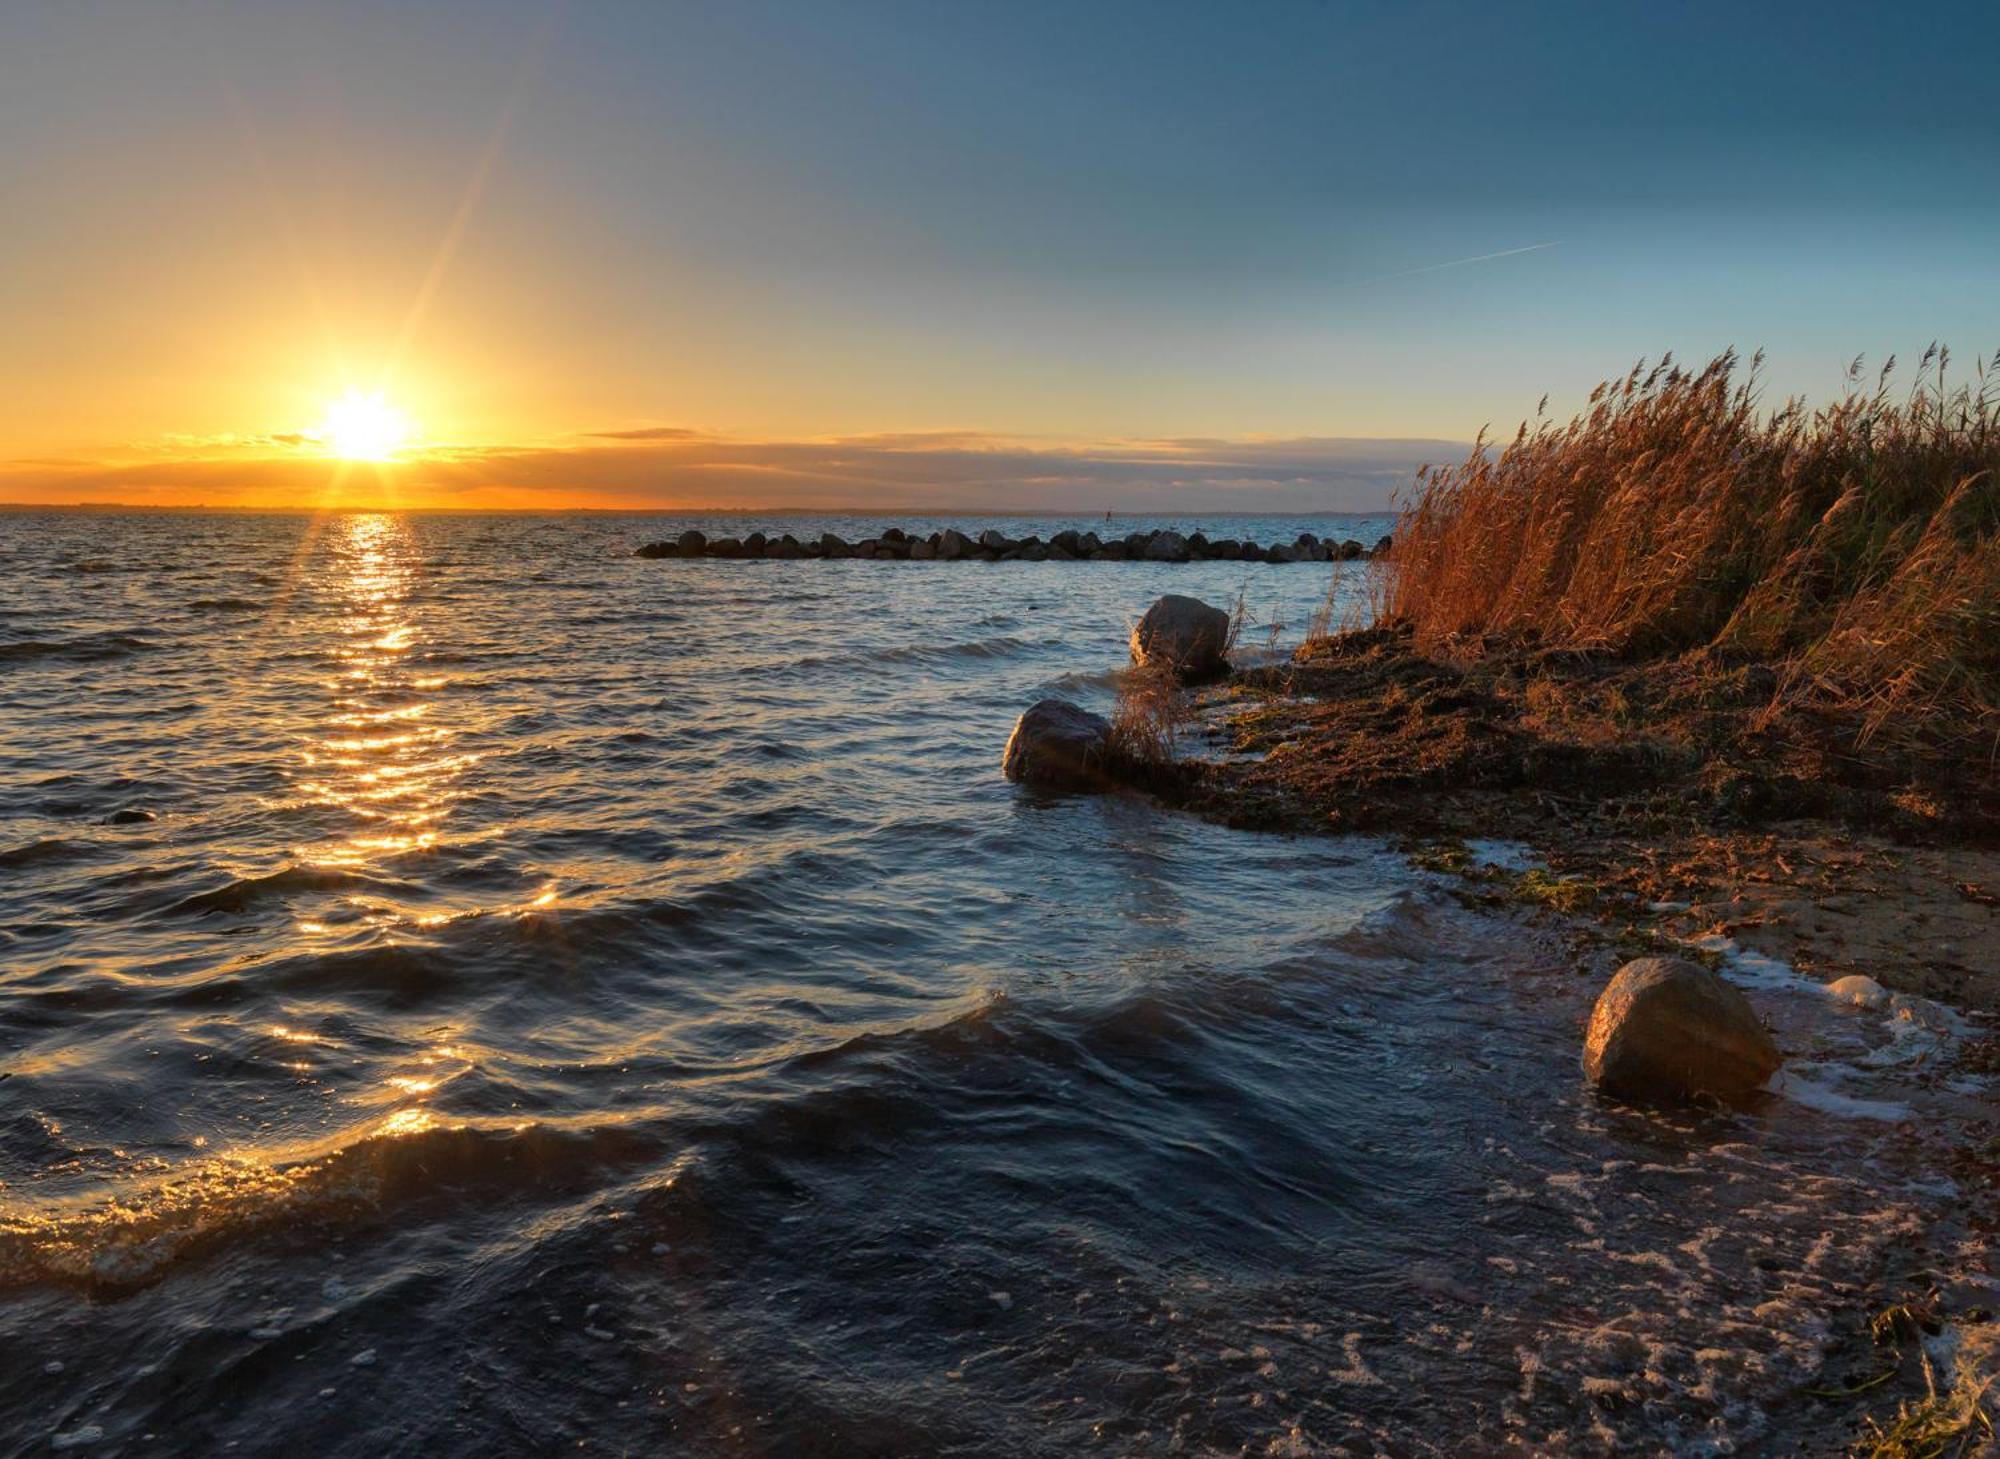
[1044,223]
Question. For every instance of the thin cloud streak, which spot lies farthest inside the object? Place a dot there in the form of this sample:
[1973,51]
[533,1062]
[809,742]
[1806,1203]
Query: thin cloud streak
[1432,268]
[672,468]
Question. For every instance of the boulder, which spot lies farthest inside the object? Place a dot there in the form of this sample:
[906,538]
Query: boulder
[922,552]
[994,540]
[1860,990]
[692,543]
[1087,544]
[1165,546]
[1057,745]
[754,544]
[1184,633]
[834,546]
[725,547]
[1666,1028]
[657,549]
[1384,545]
[953,544]
[1349,550]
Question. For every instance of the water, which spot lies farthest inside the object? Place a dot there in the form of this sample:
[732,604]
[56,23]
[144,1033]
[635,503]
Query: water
[469,991]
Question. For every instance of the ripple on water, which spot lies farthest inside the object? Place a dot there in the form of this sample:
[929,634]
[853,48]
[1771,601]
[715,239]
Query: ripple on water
[565,982]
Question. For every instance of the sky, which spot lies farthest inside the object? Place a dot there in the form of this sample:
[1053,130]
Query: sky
[1261,256]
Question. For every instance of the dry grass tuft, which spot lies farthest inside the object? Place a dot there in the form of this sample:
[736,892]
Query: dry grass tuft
[1153,711]
[1937,1426]
[1855,547]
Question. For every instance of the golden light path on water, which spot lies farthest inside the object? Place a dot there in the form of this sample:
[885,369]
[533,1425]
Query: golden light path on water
[389,760]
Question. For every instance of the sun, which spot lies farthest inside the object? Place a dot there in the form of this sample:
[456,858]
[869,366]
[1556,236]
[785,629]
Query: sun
[360,427]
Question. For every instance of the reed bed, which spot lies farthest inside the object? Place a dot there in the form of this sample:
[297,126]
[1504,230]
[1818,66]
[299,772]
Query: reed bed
[1854,547]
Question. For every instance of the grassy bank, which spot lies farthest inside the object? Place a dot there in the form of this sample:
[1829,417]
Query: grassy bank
[1698,652]
[1855,547]
[1680,606]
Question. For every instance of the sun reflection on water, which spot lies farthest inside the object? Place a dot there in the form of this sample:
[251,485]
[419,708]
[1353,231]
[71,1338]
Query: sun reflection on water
[384,756]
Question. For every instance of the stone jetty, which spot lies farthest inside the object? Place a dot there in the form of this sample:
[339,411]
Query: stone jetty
[993,545]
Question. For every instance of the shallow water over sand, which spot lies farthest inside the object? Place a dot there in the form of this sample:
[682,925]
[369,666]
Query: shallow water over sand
[469,991]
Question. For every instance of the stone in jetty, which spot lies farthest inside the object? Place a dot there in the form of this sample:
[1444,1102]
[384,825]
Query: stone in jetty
[692,543]
[994,540]
[1668,1029]
[834,546]
[1185,634]
[1166,547]
[952,545]
[657,549]
[1058,746]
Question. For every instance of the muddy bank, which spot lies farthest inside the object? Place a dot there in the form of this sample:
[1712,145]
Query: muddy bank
[1667,800]
[1683,807]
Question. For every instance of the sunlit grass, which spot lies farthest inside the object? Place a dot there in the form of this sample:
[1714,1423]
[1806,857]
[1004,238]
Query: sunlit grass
[1857,546]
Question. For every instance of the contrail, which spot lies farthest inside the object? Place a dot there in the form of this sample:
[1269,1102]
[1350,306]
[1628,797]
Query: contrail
[1461,262]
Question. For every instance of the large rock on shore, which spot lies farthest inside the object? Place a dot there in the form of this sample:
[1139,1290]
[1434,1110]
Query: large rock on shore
[1666,1028]
[1058,745]
[1185,634]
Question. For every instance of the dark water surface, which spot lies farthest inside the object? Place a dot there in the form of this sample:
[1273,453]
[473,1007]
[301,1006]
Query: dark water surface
[467,991]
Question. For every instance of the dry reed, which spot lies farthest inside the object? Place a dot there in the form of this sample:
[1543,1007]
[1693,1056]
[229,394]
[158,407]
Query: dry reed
[1856,546]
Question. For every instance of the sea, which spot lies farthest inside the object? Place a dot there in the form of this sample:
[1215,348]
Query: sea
[465,990]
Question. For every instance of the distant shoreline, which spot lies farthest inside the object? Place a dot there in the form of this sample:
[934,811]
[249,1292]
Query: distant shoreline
[80,508]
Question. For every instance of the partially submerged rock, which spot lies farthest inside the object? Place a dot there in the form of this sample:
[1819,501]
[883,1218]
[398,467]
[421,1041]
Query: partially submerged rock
[1185,634]
[1666,1028]
[1860,990]
[1057,745]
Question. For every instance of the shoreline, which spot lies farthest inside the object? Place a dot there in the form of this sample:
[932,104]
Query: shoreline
[1707,852]
[1662,807]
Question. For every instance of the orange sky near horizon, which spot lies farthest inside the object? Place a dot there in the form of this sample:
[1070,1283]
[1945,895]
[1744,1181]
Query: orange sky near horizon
[774,254]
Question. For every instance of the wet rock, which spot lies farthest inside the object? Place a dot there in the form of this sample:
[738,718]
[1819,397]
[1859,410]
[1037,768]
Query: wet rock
[995,541]
[1350,550]
[657,549]
[754,544]
[1088,543]
[130,816]
[1665,1028]
[1184,633]
[1058,745]
[692,542]
[1862,992]
[1279,552]
[1166,546]
[834,546]
[953,544]
[922,552]
[724,547]
[1384,545]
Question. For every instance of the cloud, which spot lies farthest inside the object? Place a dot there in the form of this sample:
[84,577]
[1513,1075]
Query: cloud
[644,433]
[672,467]
[1431,268]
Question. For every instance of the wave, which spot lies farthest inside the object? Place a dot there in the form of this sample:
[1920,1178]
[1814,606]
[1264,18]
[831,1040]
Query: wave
[411,1161]
[80,648]
[1003,646]
[39,853]
[241,893]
